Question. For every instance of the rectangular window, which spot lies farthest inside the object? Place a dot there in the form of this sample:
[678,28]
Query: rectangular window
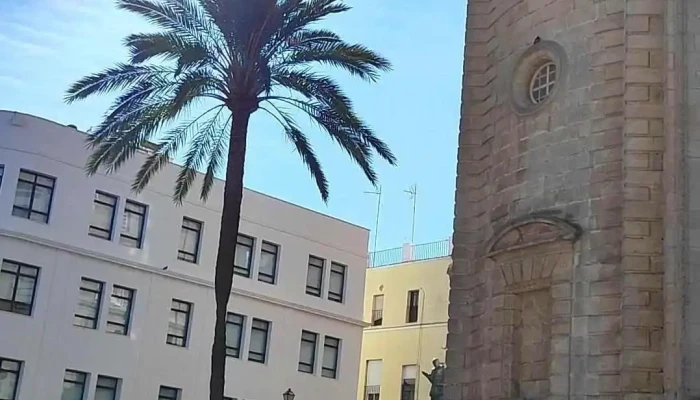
[106,388]
[89,299]
[377,310]
[168,393]
[2,172]
[373,379]
[244,256]
[134,223]
[234,334]
[104,208]
[9,378]
[408,382]
[119,315]
[179,325]
[336,287]
[412,306]
[190,235]
[34,196]
[314,276]
[17,287]
[307,352]
[331,347]
[258,340]
[74,385]
[268,263]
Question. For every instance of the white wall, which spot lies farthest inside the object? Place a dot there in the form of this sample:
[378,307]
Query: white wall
[48,343]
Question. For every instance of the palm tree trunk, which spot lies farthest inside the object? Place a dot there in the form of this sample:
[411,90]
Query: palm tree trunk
[230,218]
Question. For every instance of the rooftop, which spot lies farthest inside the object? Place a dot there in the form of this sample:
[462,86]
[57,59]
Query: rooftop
[410,252]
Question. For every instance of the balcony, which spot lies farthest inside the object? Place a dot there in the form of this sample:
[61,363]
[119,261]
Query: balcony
[410,252]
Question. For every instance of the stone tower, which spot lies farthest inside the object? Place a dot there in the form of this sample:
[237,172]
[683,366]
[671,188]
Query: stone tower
[577,221]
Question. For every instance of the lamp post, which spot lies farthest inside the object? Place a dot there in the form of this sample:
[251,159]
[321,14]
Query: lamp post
[288,395]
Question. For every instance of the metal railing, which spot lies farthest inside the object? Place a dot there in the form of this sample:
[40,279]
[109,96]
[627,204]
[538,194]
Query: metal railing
[410,252]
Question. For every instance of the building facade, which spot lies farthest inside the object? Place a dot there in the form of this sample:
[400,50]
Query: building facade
[406,307]
[106,294]
[576,218]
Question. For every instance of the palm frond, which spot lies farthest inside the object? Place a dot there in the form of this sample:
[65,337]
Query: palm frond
[216,161]
[354,58]
[121,76]
[164,45]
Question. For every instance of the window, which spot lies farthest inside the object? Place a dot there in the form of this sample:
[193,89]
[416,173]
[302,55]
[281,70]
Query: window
[331,346]
[134,222]
[258,340]
[234,334]
[244,256]
[17,287]
[2,172]
[542,82]
[373,379]
[179,324]
[33,197]
[408,381]
[106,388]
[412,306]
[89,300]
[314,276]
[120,310]
[377,310]
[190,236]
[168,393]
[74,385]
[336,286]
[104,208]
[268,263]
[307,352]
[9,378]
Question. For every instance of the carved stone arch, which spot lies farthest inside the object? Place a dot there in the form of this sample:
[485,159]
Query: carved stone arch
[532,230]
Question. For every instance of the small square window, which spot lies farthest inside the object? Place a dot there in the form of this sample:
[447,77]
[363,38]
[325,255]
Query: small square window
[74,383]
[168,393]
[34,196]
[106,388]
[89,300]
[190,236]
[268,263]
[243,263]
[18,284]
[179,325]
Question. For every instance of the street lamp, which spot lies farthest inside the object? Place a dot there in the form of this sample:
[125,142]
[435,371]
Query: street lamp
[288,395]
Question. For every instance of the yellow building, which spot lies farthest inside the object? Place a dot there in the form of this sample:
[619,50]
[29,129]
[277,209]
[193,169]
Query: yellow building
[406,307]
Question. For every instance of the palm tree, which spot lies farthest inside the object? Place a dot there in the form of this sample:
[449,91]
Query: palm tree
[229,58]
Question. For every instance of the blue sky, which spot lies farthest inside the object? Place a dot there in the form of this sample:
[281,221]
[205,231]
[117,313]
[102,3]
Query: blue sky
[47,44]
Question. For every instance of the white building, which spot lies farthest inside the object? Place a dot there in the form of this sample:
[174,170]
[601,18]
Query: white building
[99,290]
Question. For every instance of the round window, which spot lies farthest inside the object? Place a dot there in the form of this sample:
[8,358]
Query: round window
[542,82]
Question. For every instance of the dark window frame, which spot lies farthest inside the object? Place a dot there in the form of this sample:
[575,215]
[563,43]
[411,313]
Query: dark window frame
[96,319]
[129,308]
[17,373]
[254,355]
[235,352]
[83,384]
[310,368]
[142,226]
[246,271]
[2,173]
[334,370]
[264,276]
[377,313]
[161,396]
[13,301]
[408,389]
[171,338]
[110,231]
[312,290]
[113,389]
[184,255]
[34,184]
[411,308]
[333,296]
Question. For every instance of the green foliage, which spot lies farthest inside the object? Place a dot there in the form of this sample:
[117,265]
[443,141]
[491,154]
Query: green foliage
[245,55]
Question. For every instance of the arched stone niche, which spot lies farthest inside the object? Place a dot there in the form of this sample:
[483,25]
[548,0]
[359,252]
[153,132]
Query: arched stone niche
[536,257]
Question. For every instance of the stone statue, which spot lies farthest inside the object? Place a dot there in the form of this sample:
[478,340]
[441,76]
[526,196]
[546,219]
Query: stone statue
[436,378]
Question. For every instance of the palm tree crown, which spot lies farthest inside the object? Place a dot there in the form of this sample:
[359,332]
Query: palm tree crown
[241,56]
